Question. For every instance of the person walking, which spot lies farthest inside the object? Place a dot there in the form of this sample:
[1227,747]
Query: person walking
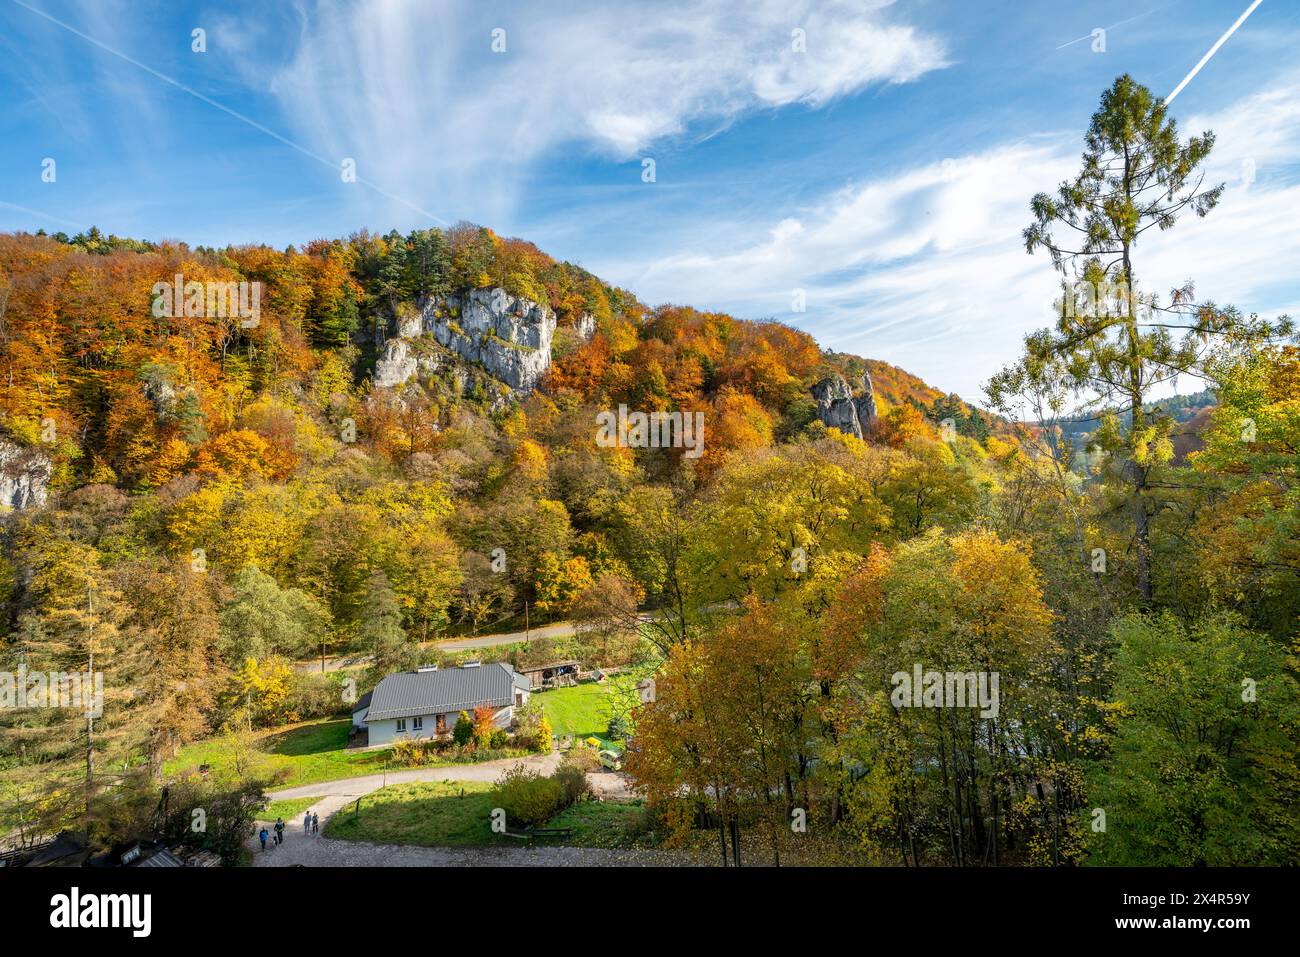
[315,823]
[279,830]
[306,823]
[263,836]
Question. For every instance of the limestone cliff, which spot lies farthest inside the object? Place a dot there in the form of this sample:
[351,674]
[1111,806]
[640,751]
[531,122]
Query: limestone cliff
[840,408]
[508,336]
[24,476]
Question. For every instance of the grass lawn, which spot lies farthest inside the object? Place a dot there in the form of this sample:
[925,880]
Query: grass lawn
[603,824]
[303,754]
[300,754]
[583,710]
[427,813]
[290,809]
[435,814]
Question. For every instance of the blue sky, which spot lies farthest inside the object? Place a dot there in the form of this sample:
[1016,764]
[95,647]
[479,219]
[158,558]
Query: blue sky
[885,170]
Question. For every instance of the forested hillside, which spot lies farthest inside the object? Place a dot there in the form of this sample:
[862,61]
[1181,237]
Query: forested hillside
[222,495]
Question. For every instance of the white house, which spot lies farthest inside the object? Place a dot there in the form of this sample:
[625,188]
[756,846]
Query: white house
[361,709]
[425,703]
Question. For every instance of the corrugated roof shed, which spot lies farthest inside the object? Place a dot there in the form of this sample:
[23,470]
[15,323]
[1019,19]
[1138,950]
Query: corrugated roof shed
[446,689]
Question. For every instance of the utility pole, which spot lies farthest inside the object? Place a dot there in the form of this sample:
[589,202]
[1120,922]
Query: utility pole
[525,621]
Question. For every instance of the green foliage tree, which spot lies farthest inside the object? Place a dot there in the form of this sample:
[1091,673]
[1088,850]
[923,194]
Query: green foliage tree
[380,631]
[262,618]
[1119,344]
[1202,769]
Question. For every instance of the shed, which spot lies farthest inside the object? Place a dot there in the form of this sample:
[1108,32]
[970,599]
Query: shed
[552,674]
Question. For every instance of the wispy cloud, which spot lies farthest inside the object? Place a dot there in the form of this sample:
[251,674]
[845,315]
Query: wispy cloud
[927,267]
[404,88]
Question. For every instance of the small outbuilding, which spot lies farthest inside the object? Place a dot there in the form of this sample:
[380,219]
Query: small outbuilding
[554,674]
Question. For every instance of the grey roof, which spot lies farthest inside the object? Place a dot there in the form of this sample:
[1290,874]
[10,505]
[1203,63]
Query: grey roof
[363,702]
[446,689]
[162,858]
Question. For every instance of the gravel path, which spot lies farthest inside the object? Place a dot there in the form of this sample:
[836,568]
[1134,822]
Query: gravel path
[320,851]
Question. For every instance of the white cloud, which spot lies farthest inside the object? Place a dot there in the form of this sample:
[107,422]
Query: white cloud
[445,122]
[927,268]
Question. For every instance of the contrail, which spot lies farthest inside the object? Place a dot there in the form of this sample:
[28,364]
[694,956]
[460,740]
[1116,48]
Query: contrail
[325,161]
[49,216]
[1213,50]
[1071,43]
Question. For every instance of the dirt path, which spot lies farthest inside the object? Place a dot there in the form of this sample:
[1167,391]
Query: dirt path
[322,851]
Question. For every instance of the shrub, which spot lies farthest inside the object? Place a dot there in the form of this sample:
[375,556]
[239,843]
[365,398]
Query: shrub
[464,729]
[407,753]
[500,739]
[484,725]
[617,728]
[528,798]
[542,744]
[587,759]
[414,754]
[572,776]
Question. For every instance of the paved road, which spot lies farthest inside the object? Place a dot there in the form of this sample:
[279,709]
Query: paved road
[320,851]
[561,629]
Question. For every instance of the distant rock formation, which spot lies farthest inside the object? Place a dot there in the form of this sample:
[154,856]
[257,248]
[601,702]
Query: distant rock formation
[839,408]
[24,476]
[508,336]
[586,326]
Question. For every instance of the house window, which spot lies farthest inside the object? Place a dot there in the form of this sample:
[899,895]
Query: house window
[440,724]
[418,723]
[401,725]
[519,699]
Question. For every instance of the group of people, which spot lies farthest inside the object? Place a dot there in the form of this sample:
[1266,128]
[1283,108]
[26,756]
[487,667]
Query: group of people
[310,825]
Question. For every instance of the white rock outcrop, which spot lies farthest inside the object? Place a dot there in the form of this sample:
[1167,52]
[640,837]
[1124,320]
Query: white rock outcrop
[24,476]
[839,408]
[508,336]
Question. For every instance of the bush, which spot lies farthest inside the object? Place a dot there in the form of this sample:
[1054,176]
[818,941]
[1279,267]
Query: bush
[528,798]
[617,728]
[414,754]
[464,729]
[542,743]
[500,738]
[572,776]
[484,724]
[588,759]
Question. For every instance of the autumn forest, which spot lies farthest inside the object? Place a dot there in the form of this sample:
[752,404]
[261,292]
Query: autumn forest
[213,508]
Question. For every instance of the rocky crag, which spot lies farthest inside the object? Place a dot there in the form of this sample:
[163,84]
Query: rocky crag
[508,336]
[24,476]
[840,407]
